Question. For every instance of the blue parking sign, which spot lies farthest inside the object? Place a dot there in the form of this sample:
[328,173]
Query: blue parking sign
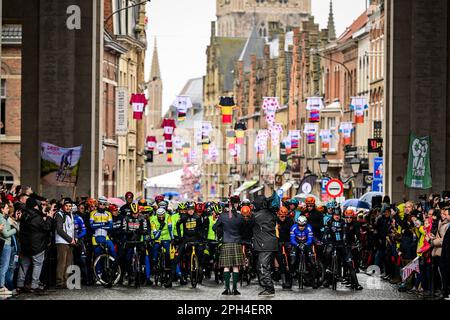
[378,172]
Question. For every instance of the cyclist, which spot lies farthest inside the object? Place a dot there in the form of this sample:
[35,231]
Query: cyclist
[235,203]
[192,232]
[136,229]
[302,239]
[351,237]
[211,238]
[125,209]
[284,225]
[161,233]
[80,252]
[158,199]
[101,222]
[293,206]
[314,216]
[331,206]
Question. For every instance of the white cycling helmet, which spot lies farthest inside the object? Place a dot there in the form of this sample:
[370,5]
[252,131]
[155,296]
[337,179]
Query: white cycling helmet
[160,212]
[302,220]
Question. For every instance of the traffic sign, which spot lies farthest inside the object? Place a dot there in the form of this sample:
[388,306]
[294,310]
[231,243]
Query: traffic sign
[306,188]
[334,188]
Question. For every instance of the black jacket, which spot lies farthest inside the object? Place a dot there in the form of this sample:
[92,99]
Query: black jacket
[445,255]
[231,228]
[34,232]
[264,231]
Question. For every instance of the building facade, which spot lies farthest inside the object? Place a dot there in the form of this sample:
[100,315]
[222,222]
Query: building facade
[236,18]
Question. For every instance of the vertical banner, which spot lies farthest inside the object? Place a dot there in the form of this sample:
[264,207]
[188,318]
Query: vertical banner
[59,166]
[418,175]
[227,105]
[121,111]
[261,141]
[275,132]
[138,102]
[311,132]
[358,105]
[270,107]
[206,129]
[346,129]
[314,105]
[295,138]
[182,104]
[231,142]
[325,136]
[240,128]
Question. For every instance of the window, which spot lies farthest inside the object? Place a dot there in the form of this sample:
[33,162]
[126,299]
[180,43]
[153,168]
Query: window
[3,106]
[7,178]
[334,134]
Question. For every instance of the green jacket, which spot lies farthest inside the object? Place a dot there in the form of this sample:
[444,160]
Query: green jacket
[166,232]
[8,231]
[175,219]
[211,233]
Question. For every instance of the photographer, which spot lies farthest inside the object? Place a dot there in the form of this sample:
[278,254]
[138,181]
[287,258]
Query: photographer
[35,228]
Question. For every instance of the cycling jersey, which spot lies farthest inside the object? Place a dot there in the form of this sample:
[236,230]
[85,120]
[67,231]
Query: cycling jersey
[125,210]
[192,227]
[163,234]
[80,228]
[100,222]
[175,218]
[117,228]
[135,228]
[304,236]
[284,229]
[211,233]
[335,231]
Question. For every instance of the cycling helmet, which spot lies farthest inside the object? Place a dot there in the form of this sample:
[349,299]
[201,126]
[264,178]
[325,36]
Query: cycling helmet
[143,202]
[294,201]
[134,208]
[182,206]
[246,202]
[361,216]
[208,205]
[302,220]
[91,202]
[310,200]
[190,205]
[102,200]
[217,209]
[163,204]
[199,207]
[148,209]
[283,212]
[332,204]
[160,212]
[113,207]
[349,213]
[129,194]
[246,211]
[159,198]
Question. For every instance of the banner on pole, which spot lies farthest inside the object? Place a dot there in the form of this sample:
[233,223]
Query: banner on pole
[60,166]
[418,175]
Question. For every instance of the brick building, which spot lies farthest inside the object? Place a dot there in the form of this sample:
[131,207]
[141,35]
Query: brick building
[10,91]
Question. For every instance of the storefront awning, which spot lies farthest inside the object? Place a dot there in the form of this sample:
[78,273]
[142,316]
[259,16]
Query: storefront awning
[246,185]
[253,191]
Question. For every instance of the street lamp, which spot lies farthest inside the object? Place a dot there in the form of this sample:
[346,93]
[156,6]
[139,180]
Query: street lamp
[125,8]
[323,164]
[355,163]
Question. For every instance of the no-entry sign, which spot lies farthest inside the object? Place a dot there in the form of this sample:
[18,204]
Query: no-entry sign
[334,188]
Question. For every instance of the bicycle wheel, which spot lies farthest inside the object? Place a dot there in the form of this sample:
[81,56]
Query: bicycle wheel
[102,269]
[159,269]
[320,273]
[301,271]
[136,270]
[194,270]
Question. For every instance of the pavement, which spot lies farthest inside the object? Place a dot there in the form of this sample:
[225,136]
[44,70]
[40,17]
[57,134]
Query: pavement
[374,289]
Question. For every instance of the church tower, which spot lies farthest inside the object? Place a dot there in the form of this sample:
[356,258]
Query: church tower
[155,89]
[235,18]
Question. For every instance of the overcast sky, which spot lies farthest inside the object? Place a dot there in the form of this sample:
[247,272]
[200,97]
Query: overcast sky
[182,29]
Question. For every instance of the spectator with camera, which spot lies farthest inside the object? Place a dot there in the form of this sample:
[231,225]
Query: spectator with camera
[35,229]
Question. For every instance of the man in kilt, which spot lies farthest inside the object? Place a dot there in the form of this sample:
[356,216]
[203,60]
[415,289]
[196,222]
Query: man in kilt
[229,228]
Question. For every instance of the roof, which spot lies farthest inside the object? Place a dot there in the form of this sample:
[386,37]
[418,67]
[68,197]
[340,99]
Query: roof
[11,34]
[194,89]
[229,51]
[253,46]
[360,22]
[168,180]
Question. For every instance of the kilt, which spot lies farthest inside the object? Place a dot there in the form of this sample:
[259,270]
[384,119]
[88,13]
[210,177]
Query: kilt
[231,255]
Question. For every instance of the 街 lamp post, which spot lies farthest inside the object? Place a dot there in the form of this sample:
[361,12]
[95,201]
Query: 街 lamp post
[125,8]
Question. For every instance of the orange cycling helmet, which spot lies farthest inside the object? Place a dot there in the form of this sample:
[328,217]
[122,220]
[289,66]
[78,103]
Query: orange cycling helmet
[246,211]
[91,202]
[283,212]
[113,207]
[310,201]
[349,213]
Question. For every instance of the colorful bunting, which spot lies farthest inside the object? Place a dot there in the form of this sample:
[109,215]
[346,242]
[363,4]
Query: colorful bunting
[151,143]
[182,104]
[227,105]
[138,102]
[311,131]
[358,105]
[314,105]
[346,129]
[325,136]
[270,107]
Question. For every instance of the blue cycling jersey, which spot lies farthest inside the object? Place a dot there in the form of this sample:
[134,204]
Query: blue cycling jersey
[304,236]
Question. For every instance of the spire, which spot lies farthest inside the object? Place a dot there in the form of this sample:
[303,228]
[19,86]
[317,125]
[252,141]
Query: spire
[331,28]
[155,72]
